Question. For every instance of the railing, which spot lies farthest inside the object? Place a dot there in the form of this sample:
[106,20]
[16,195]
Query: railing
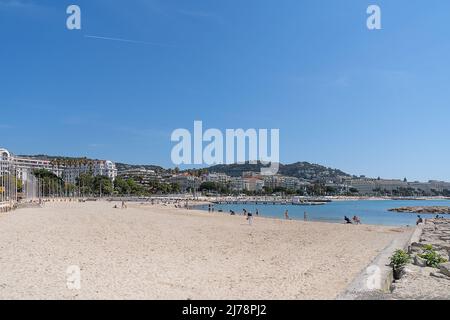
[6,206]
[8,186]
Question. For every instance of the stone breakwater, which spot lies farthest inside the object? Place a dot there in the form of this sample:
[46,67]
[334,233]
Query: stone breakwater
[422,281]
[424,210]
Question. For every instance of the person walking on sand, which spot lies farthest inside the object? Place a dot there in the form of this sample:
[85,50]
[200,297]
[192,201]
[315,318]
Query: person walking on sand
[250,218]
[286,215]
[124,206]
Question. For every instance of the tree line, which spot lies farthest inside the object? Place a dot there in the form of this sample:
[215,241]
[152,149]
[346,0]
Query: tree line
[48,184]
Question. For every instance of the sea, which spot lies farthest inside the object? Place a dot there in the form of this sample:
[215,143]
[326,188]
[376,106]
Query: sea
[373,212]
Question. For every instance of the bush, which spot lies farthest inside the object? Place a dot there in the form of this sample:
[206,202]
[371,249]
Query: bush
[399,259]
[432,258]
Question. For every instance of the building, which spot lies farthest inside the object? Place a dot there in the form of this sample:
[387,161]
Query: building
[70,172]
[142,176]
[236,184]
[220,178]
[187,183]
[67,170]
[439,186]
[339,188]
[253,184]
[4,155]
[251,174]
[272,182]
[424,188]
[368,186]
[285,182]
[25,167]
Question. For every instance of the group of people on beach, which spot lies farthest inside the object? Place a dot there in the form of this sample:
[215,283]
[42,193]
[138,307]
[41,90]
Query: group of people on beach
[354,220]
[247,214]
[180,205]
[123,205]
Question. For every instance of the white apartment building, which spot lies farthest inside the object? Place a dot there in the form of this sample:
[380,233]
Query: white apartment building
[141,175]
[279,181]
[425,187]
[185,182]
[236,184]
[368,186]
[220,178]
[96,168]
[253,184]
[26,165]
[439,185]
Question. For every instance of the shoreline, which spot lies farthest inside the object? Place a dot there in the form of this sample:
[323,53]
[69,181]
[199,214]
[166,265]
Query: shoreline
[274,198]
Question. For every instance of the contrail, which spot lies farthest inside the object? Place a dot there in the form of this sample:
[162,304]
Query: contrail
[128,40]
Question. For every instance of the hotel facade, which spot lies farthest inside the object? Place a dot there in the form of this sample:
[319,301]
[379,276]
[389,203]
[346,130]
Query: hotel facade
[69,171]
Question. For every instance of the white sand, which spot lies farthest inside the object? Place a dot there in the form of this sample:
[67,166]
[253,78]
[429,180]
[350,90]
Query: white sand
[167,253]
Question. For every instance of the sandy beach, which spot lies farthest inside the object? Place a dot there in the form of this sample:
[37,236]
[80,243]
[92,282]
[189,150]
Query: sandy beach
[158,252]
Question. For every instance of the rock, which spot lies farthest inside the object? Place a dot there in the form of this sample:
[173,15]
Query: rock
[443,246]
[415,248]
[445,268]
[439,275]
[418,261]
[423,209]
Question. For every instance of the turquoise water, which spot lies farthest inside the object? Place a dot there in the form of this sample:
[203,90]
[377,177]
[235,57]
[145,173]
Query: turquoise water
[370,211]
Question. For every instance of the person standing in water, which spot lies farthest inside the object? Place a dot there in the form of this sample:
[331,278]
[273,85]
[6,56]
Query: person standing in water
[305,216]
[286,215]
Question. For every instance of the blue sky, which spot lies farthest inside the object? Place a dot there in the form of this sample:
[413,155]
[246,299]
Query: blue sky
[367,102]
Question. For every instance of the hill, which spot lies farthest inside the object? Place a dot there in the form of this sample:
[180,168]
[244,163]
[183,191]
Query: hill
[123,166]
[301,170]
